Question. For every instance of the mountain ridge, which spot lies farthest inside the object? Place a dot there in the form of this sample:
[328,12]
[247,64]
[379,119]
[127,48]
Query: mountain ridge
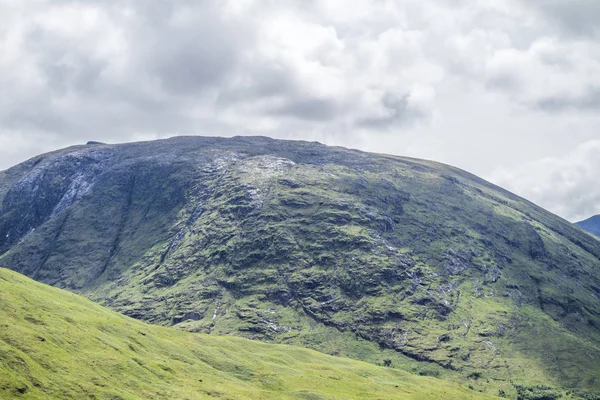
[328,248]
[591,225]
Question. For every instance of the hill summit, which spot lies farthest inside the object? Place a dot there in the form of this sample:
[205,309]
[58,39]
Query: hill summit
[370,256]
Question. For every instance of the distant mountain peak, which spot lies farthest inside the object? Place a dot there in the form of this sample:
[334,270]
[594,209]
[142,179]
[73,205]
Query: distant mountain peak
[592,225]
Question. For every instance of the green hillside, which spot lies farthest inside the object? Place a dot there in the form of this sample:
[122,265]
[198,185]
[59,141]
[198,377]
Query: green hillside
[57,345]
[367,256]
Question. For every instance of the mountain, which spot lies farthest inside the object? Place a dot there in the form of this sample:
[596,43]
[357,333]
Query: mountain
[592,225]
[56,345]
[369,256]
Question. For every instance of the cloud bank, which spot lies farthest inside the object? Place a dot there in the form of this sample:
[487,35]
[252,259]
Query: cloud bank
[498,87]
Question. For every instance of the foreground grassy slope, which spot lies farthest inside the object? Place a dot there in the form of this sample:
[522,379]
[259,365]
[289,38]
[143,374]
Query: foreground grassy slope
[368,256]
[54,344]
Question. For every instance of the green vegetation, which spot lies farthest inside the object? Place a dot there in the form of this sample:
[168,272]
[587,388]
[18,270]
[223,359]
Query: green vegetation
[57,345]
[366,256]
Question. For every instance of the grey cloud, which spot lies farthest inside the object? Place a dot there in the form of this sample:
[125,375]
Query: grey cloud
[64,68]
[588,101]
[397,113]
[566,185]
[199,53]
[185,58]
[263,81]
[537,78]
[577,17]
[507,82]
[63,77]
[197,50]
[42,118]
[310,109]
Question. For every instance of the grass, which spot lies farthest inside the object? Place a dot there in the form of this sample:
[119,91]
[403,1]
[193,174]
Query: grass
[58,345]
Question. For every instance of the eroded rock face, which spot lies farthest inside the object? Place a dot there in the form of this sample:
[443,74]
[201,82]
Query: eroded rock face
[295,241]
[48,187]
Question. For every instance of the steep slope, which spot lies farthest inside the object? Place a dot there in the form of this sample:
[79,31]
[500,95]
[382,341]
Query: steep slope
[54,344]
[369,256]
[592,225]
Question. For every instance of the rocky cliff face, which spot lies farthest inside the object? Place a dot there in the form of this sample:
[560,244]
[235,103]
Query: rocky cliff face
[351,253]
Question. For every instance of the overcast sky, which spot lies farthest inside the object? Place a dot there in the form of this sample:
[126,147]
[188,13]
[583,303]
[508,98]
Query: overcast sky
[506,89]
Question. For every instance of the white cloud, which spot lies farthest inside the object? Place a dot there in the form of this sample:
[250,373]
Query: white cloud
[566,185]
[549,74]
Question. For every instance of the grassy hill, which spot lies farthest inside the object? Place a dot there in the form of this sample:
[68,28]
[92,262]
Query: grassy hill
[57,345]
[367,256]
